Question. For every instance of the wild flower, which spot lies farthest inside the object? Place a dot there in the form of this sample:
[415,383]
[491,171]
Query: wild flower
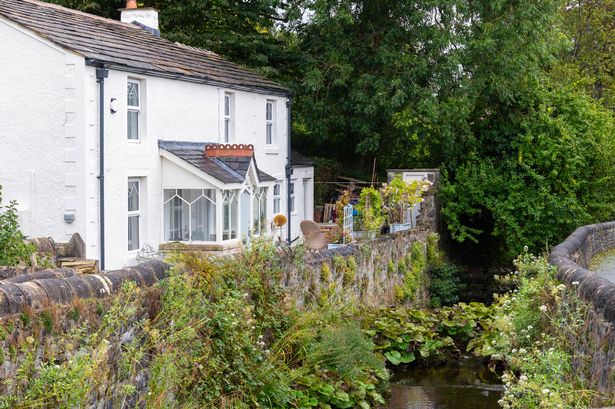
[575,283]
[543,308]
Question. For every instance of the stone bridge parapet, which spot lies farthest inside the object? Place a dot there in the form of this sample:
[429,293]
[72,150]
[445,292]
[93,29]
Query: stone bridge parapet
[572,258]
[62,286]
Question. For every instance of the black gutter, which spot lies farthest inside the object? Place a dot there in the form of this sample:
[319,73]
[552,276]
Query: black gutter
[101,73]
[289,169]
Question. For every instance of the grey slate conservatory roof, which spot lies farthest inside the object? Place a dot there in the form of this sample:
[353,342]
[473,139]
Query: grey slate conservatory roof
[228,169]
[128,47]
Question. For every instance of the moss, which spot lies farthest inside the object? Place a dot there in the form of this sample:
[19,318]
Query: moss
[400,293]
[390,268]
[339,263]
[351,263]
[348,277]
[325,273]
[402,267]
[2,357]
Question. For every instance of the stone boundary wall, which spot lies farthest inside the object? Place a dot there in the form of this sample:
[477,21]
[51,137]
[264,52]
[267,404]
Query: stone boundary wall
[62,286]
[370,271]
[594,358]
[572,259]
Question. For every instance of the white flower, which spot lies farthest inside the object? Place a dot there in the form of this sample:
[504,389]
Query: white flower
[530,327]
[543,308]
[526,249]
[523,378]
[575,283]
[561,287]
[545,391]
[514,351]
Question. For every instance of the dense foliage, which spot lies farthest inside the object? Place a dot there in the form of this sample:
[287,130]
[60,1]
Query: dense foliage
[537,331]
[13,249]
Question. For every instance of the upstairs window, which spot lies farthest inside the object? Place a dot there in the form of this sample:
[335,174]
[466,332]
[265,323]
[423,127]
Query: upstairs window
[134,109]
[270,122]
[229,109]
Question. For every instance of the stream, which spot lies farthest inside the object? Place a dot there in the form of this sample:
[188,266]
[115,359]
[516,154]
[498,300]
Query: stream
[467,384]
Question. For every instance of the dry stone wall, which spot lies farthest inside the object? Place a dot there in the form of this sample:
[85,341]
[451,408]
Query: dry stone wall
[372,271]
[595,345]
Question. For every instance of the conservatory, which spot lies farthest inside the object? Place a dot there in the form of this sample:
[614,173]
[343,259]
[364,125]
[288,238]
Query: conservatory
[213,194]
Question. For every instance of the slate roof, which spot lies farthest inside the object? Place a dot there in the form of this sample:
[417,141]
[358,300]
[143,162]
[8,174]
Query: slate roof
[129,47]
[298,160]
[228,169]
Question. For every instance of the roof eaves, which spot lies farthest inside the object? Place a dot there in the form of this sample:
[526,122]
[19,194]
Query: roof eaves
[97,62]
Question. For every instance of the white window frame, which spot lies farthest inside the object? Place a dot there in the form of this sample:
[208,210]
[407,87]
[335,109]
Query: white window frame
[135,213]
[176,202]
[228,197]
[270,139]
[277,197]
[292,196]
[228,126]
[134,108]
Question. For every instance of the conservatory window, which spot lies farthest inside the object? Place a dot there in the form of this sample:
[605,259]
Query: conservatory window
[189,215]
[229,214]
[259,211]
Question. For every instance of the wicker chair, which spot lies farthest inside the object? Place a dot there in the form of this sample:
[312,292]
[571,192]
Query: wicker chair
[313,237]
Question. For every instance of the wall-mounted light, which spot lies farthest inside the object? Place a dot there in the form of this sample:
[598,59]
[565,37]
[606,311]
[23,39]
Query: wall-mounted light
[69,217]
[113,105]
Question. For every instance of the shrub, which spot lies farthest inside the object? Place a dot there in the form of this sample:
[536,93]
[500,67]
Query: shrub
[444,289]
[13,248]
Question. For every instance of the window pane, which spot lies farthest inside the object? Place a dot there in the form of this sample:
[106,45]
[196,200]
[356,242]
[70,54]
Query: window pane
[292,188]
[176,220]
[276,205]
[227,105]
[276,189]
[203,214]
[269,114]
[269,134]
[133,196]
[292,204]
[227,125]
[133,94]
[133,125]
[133,232]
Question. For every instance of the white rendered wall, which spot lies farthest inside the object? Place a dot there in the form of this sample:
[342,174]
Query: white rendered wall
[174,110]
[41,132]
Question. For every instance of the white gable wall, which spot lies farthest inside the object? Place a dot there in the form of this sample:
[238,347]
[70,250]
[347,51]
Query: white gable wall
[42,132]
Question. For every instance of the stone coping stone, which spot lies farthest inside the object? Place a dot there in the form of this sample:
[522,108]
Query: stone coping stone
[570,257]
[62,286]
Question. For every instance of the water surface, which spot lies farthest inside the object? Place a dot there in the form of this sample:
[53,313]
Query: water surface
[467,384]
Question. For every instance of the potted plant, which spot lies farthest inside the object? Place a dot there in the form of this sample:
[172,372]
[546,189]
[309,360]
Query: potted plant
[369,210]
[397,197]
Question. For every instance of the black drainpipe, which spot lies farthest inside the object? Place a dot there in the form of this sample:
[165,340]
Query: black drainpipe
[101,73]
[289,169]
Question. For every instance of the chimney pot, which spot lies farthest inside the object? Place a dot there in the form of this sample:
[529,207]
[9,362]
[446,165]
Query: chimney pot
[131,4]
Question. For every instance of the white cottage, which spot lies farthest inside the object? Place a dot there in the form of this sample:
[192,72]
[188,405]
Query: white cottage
[109,130]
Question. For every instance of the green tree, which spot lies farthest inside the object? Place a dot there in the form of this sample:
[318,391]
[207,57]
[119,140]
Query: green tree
[13,248]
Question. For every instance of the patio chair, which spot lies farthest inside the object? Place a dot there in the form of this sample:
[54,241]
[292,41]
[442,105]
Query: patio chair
[313,237]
